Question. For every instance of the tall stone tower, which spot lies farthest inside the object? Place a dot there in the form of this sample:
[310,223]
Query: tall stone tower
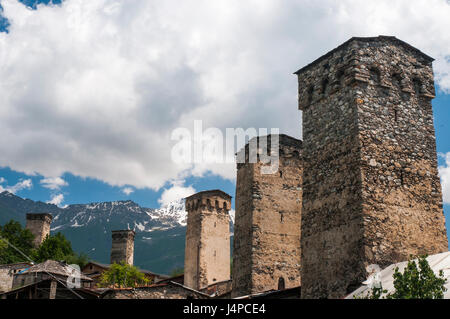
[207,253]
[39,225]
[122,248]
[371,191]
[266,246]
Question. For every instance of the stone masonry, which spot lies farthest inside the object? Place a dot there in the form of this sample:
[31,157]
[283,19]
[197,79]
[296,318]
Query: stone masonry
[266,246]
[207,253]
[122,248]
[371,191]
[39,225]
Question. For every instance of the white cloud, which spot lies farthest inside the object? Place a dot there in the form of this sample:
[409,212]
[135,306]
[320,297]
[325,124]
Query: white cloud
[2,180]
[56,199]
[53,183]
[444,172]
[95,88]
[20,185]
[175,192]
[127,190]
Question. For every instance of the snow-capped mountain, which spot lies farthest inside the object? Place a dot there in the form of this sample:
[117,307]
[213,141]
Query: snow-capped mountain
[160,233]
[131,216]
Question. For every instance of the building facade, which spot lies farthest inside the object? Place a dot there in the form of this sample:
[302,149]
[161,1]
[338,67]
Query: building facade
[371,190]
[122,248]
[39,225]
[207,252]
[266,246]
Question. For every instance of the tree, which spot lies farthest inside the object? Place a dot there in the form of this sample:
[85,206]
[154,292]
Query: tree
[57,247]
[123,275]
[13,233]
[418,282]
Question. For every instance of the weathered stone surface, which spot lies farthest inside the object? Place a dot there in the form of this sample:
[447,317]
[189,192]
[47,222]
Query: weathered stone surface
[266,246]
[371,191]
[122,248]
[207,253]
[7,273]
[39,225]
[169,290]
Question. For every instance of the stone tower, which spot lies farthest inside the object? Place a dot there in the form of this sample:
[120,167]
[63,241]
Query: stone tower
[39,225]
[122,248]
[207,253]
[266,246]
[371,191]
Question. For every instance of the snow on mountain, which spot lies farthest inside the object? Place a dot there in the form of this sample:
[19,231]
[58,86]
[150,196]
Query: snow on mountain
[127,213]
[174,213]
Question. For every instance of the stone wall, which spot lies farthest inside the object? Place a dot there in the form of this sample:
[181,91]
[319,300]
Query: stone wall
[7,273]
[371,191]
[161,291]
[122,248]
[39,225]
[207,253]
[266,246]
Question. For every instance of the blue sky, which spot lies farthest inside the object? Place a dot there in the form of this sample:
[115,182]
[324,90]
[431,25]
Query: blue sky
[92,90]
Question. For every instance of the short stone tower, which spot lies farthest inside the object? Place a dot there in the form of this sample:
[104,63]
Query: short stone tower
[207,253]
[371,191]
[39,225]
[122,248]
[266,246]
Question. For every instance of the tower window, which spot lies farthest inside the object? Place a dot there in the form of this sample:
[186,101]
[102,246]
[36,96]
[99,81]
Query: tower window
[281,284]
[375,76]
[310,94]
[325,86]
[281,217]
[281,173]
[395,115]
[341,78]
[397,81]
[417,86]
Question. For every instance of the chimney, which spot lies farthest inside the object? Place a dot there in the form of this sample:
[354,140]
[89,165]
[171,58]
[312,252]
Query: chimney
[122,248]
[39,225]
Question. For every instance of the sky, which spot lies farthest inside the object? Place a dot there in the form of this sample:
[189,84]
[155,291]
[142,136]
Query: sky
[91,91]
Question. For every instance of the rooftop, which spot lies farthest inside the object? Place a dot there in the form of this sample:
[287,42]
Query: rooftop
[56,268]
[380,38]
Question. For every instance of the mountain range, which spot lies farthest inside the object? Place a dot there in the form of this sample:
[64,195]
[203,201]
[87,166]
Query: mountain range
[160,233]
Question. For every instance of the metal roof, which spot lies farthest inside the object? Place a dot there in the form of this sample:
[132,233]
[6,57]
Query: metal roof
[437,262]
[56,267]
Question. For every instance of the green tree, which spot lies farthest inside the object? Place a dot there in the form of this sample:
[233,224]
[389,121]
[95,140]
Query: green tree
[418,281]
[123,275]
[13,233]
[57,247]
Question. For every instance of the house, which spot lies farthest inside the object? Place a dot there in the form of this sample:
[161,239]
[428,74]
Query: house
[94,270]
[7,273]
[49,289]
[50,269]
[168,290]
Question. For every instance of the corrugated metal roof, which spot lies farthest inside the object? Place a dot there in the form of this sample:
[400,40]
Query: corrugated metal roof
[56,267]
[437,262]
